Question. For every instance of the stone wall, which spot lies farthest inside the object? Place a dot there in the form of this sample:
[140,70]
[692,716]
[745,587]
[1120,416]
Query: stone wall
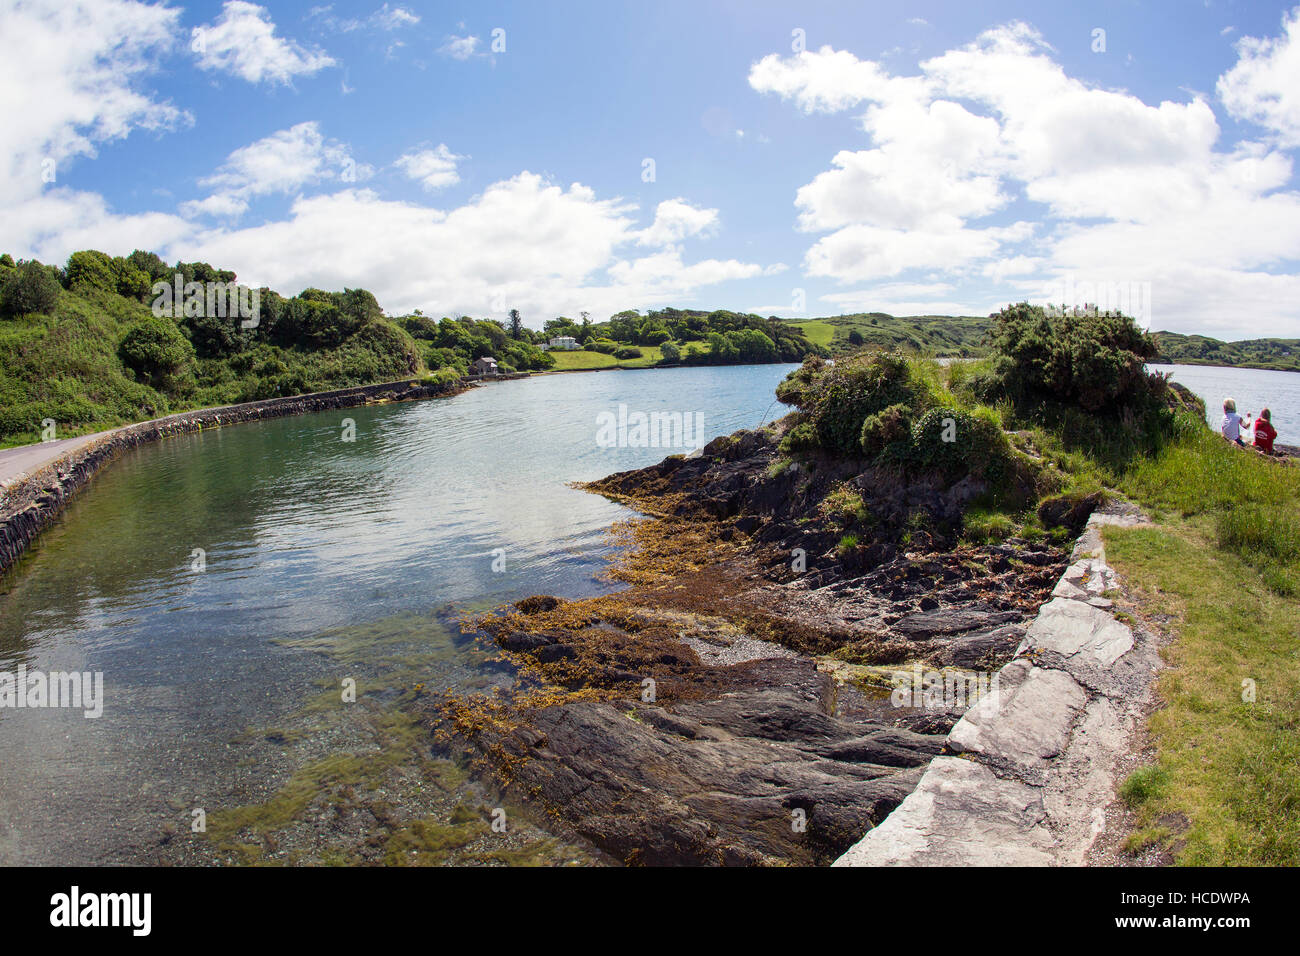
[32,503]
[1028,771]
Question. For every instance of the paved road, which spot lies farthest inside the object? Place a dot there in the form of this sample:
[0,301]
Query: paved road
[25,459]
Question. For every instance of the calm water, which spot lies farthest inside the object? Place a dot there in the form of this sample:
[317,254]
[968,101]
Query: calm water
[324,558]
[1252,388]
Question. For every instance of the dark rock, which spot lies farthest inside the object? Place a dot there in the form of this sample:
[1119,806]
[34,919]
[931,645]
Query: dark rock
[719,781]
[983,647]
[928,624]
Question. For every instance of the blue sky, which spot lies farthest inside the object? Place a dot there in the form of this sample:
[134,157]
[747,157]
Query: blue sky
[808,159]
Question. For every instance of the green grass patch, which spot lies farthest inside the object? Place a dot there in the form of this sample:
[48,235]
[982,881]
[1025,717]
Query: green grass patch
[1225,762]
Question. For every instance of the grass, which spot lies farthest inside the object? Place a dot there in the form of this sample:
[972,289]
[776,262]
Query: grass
[582,360]
[1224,761]
[818,331]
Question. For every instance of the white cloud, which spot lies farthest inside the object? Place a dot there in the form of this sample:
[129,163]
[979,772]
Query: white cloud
[432,168]
[243,42]
[860,252]
[1128,191]
[829,81]
[676,219]
[386,18]
[392,18]
[1264,86]
[460,48]
[541,248]
[70,76]
[280,163]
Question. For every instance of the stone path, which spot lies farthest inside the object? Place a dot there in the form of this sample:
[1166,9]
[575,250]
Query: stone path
[1035,762]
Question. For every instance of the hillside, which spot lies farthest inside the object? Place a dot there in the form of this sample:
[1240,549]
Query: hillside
[82,346]
[942,335]
[1278,354]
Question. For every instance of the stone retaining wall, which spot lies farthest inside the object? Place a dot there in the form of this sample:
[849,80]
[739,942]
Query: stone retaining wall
[1030,769]
[31,503]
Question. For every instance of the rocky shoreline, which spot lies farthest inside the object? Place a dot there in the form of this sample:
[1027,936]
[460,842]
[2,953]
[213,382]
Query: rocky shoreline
[736,704]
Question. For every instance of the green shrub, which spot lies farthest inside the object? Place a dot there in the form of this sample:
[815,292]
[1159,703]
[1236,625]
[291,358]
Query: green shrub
[1094,362]
[836,400]
[91,268]
[886,427]
[956,443]
[628,353]
[29,288]
[156,351]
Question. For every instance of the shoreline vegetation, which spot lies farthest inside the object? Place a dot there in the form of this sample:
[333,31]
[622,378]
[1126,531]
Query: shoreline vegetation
[778,579]
[83,350]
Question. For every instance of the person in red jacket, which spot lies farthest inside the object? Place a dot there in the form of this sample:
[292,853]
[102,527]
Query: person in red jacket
[1265,432]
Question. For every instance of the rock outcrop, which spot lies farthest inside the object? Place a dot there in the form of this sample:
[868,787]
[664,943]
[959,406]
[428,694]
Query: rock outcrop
[1033,766]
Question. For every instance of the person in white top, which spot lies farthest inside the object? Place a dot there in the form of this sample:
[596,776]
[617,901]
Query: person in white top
[1233,424]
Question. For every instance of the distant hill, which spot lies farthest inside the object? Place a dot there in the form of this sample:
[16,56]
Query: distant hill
[963,335]
[1279,354]
[960,335]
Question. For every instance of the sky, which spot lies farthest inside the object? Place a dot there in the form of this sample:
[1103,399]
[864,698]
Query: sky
[790,159]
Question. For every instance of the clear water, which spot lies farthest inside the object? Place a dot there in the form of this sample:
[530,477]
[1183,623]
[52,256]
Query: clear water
[324,559]
[1252,388]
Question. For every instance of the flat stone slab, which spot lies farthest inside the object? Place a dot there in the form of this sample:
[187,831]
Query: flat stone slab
[1024,723]
[1079,632]
[961,814]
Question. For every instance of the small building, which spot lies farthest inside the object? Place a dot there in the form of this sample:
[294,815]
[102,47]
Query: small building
[486,365]
[565,343]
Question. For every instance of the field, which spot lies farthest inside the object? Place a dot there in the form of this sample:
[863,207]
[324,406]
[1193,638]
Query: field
[582,360]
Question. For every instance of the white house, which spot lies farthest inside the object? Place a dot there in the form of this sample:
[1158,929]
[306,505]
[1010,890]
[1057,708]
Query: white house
[566,343]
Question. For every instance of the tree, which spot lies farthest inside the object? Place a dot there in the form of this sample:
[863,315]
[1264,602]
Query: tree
[855,337]
[156,350]
[29,288]
[516,324]
[90,267]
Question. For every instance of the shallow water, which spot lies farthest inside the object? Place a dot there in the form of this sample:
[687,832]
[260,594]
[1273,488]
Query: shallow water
[321,560]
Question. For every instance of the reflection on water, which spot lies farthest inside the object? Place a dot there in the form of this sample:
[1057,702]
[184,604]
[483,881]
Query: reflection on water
[303,538]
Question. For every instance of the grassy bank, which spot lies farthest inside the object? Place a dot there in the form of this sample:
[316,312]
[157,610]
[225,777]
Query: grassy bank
[1219,574]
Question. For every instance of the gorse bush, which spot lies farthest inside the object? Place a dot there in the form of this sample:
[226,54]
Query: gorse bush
[835,400]
[897,412]
[1094,362]
[956,443]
